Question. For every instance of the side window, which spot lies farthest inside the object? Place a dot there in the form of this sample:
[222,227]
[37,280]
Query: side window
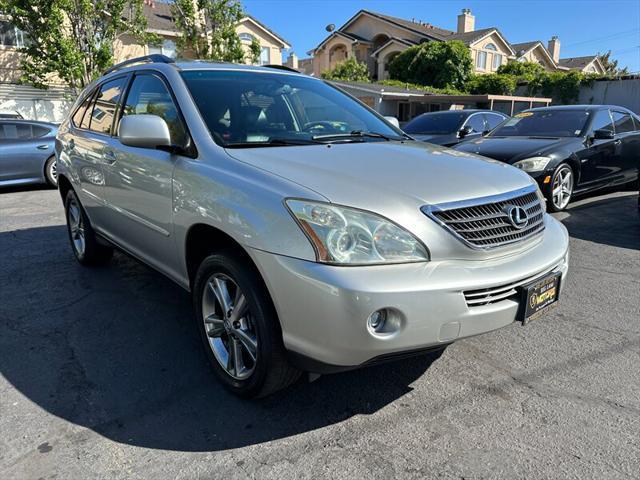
[602,121]
[38,131]
[493,120]
[149,95]
[15,131]
[77,117]
[476,122]
[622,122]
[86,118]
[104,108]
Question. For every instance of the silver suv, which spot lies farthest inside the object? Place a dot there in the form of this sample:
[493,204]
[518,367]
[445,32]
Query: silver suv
[312,233]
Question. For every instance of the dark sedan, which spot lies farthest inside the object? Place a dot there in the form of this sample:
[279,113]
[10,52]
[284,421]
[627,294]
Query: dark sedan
[450,127]
[27,152]
[567,149]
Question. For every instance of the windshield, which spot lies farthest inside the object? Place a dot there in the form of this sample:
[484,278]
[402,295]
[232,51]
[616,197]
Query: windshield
[435,123]
[245,109]
[544,123]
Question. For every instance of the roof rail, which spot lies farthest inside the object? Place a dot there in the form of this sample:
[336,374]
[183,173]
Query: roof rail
[282,67]
[154,58]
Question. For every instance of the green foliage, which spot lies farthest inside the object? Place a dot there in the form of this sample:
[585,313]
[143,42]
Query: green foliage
[437,64]
[492,83]
[72,39]
[523,71]
[350,70]
[254,51]
[611,66]
[414,86]
[208,29]
[563,86]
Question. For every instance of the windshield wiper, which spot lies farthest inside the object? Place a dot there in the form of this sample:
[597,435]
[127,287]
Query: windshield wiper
[274,142]
[356,134]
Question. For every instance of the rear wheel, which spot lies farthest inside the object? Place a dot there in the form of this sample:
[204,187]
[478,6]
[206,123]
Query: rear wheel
[84,243]
[51,171]
[239,327]
[561,191]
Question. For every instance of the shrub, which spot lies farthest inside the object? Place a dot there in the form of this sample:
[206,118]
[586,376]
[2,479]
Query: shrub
[436,64]
[492,83]
[350,70]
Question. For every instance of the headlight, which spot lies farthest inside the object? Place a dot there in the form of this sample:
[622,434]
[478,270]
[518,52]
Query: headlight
[348,236]
[533,164]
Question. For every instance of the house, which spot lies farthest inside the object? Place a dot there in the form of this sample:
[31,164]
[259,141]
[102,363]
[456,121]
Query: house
[53,103]
[376,38]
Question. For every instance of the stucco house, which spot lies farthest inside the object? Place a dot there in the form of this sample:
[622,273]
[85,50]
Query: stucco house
[376,38]
[52,104]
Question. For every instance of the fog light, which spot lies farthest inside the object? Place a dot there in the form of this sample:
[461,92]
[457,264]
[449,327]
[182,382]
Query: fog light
[377,320]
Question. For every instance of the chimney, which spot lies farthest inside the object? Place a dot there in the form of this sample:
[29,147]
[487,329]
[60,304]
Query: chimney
[292,61]
[466,21]
[554,48]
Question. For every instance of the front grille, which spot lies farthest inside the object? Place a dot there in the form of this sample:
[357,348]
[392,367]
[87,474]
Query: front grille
[484,223]
[487,296]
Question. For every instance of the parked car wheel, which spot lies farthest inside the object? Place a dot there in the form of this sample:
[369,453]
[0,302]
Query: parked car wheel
[239,327]
[51,171]
[561,190]
[84,243]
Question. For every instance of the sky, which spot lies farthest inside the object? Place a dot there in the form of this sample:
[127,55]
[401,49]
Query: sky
[585,27]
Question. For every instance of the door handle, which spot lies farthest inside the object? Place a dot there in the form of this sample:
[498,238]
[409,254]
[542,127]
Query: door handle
[617,142]
[42,147]
[110,157]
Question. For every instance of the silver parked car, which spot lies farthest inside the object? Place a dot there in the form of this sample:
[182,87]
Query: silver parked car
[313,234]
[27,152]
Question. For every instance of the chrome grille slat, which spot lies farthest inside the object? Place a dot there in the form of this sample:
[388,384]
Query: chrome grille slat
[484,223]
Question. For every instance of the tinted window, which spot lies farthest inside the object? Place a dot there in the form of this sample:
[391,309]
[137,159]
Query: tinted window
[244,107]
[493,120]
[476,122]
[77,117]
[544,123]
[436,123]
[623,122]
[602,121]
[38,131]
[15,131]
[104,107]
[149,95]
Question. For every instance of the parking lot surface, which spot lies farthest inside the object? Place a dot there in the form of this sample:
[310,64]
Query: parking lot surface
[102,376]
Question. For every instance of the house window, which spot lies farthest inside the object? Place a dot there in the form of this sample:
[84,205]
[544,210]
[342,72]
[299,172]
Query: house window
[490,46]
[497,60]
[246,37]
[10,36]
[481,61]
[265,56]
[168,48]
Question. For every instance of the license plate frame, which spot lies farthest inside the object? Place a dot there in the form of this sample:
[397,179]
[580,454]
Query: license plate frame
[539,297]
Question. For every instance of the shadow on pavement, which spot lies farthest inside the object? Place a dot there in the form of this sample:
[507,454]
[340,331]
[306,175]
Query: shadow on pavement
[613,221]
[113,350]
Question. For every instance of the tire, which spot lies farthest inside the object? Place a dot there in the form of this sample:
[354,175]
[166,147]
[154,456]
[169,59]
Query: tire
[84,243]
[50,171]
[564,179]
[253,333]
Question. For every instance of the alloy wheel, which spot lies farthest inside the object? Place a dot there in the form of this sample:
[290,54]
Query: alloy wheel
[53,171]
[76,227]
[562,187]
[228,323]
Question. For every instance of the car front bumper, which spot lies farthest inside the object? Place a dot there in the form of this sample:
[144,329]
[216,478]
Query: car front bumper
[323,309]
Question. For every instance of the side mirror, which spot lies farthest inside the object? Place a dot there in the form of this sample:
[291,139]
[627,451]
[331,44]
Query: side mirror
[603,135]
[464,131]
[393,121]
[144,131]
[485,133]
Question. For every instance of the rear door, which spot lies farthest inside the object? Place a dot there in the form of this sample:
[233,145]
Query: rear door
[23,151]
[139,181]
[628,146]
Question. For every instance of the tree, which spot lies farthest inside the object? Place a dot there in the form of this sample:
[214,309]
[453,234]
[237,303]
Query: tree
[437,64]
[72,39]
[523,71]
[350,70]
[611,66]
[208,30]
[492,83]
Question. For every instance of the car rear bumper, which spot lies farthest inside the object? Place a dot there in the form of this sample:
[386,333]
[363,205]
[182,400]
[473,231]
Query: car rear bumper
[323,309]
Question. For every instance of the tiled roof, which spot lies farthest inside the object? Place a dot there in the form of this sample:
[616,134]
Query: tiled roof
[159,17]
[274,34]
[525,46]
[423,28]
[470,37]
[576,62]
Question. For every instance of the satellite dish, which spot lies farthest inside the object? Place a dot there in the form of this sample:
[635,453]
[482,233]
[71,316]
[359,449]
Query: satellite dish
[330,28]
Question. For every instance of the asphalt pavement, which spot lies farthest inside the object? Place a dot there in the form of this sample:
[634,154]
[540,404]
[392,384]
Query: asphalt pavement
[102,376]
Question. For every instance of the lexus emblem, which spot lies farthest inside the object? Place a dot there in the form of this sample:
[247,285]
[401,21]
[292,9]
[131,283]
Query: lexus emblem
[518,216]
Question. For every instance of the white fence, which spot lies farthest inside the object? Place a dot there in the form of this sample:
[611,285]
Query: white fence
[50,105]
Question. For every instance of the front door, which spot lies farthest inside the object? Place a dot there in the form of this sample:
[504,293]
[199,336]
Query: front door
[22,151]
[139,181]
[598,158]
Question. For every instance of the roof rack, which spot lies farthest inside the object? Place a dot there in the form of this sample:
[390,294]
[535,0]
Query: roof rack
[154,58]
[282,67]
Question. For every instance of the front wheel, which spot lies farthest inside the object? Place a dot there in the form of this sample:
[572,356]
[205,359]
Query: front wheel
[51,171]
[561,191]
[239,327]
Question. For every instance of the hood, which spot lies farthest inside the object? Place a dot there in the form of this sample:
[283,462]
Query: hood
[446,139]
[512,149]
[369,175]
